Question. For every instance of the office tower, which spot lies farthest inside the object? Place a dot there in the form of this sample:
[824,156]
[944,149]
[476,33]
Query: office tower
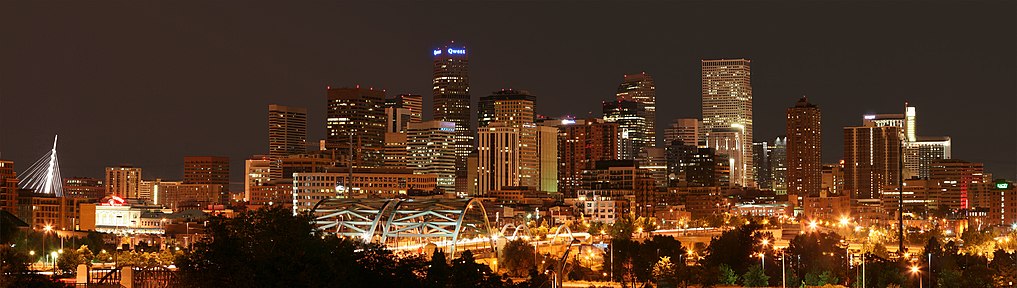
[84,187]
[287,130]
[430,149]
[778,165]
[180,196]
[499,158]
[691,166]
[212,170]
[451,87]
[631,125]
[396,119]
[727,103]
[356,125]
[123,181]
[8,187]
[581,144]
[804,154]
[396,150]
[640,88]
[413,103]
[683,129]
[871,160]
[961,183]
[512,107]
[621,179]
[257,172]
[547,153]
[762,172]
[919,154]
[727,143]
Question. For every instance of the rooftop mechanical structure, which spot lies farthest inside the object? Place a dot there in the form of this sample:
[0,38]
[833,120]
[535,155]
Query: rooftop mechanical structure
[44,175]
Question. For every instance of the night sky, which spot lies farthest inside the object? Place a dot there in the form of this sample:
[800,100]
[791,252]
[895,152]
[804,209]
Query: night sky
[147,82]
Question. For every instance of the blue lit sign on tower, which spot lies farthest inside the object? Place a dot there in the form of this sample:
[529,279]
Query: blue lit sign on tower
[449,51]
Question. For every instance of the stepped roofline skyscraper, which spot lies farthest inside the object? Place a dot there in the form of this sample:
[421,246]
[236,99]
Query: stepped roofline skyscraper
[451,88]
[640,88]
[727,103]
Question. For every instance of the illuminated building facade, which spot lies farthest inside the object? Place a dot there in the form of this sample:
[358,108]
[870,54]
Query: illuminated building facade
[395,150]
[871,160]
[640,88]
[257,172]
[804,149]
[430,149]
[510,107]
[357,114]
[413,103]
[683,129]
[8,187]
[581,144]
[42,209]
[630,116]
[962,184]
[212,170]
[727,103]
[287,130]
[451,87]
[727,143]
[778,165]
[123,181]
[84,187]
[309,188]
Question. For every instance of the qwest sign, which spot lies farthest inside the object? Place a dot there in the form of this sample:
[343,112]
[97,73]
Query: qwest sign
[450,51]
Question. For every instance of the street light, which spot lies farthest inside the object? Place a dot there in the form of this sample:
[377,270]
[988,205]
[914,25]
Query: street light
[917,272]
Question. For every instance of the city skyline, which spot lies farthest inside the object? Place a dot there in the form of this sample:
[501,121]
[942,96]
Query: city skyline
[110,97]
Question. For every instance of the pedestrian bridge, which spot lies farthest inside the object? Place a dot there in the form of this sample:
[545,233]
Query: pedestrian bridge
[411,224]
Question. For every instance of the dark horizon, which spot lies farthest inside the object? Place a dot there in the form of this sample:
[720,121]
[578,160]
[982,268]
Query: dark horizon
[148,83]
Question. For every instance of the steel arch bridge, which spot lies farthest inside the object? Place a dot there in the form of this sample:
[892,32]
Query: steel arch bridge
[391,222]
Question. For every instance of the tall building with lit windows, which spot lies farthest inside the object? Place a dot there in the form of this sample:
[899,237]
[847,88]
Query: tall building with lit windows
[631,121]
[509,106]
[287,130]
[871,160]
[804,149]
[356,114]
[451,87]
[212,170]
[727,103]
[412,102]
[430,149]
[640,88]
[581,143]
[123,181]
[8,187]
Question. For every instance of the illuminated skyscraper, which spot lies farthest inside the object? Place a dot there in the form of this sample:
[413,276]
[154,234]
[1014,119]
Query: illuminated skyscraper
[640,88]
[509,106]
[287,130]
[451,87]
[430,149]
[359,113]
[631,125]
[778,165]
[871,160]
[727,103]
[804,154]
